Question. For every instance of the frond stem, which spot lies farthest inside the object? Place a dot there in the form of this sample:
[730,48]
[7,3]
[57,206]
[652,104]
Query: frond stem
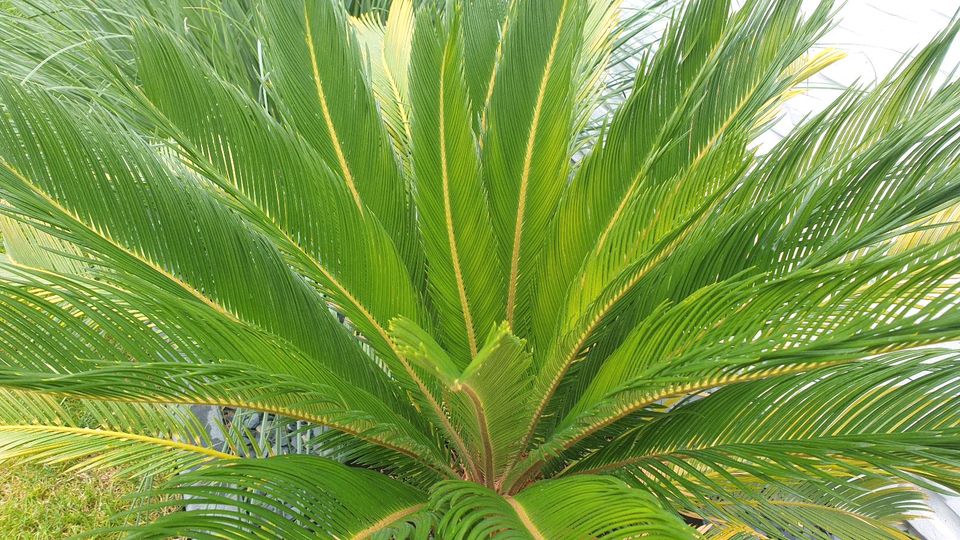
[156,441]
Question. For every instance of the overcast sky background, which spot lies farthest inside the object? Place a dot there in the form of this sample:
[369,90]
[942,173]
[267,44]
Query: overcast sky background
[875,34]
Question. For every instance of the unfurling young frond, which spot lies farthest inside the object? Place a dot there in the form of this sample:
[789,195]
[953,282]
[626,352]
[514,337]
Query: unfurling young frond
[492,281]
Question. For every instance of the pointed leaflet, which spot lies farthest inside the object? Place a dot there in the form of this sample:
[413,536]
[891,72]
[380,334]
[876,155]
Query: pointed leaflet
[526,146]
[487,399]
[316,64]
[465,280]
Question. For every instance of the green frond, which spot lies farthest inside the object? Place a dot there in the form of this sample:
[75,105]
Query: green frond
[839,313]
[170,232]
[283,497]
[134,439]
[582,507]
[81,340]
[466,282]
[888,415]
[859,513]
[529,132]
[802,226]
[316,65]
[264,166]
[670,156]
[601,31]
[485,23]
[512,268]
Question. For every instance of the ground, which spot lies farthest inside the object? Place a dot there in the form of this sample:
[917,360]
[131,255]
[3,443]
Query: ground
[47,502]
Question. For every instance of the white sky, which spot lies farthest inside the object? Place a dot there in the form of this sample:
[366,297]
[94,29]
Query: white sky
[875,34]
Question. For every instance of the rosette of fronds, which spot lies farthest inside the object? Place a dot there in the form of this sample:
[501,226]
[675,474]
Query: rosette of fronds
[498,311]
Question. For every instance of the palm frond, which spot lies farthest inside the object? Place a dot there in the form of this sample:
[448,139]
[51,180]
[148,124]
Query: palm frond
[528,135]
[133,439]
[839,314]
[852,422]
[80,339]
[811,229]
[465,279]
[86,206]
[263,166]
[283,497]
[581,507]
[858,510]
[315,64]
[417,238]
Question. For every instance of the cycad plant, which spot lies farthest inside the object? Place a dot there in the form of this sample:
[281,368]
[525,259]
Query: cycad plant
[489,307]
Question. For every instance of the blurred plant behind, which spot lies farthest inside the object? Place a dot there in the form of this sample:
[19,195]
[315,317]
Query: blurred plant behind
[411,242]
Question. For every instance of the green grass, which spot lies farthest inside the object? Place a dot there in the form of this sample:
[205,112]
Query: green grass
[41,502]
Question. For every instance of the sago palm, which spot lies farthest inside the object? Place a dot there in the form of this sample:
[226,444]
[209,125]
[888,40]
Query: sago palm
[490,307]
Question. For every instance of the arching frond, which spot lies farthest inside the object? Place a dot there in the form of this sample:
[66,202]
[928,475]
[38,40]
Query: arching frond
[793,238]
[175,234]
[133,439]
[582,507]
[284,497]
[82,340]
[284,185]
[857,510]
[886,416]
[528,136]
[315,63]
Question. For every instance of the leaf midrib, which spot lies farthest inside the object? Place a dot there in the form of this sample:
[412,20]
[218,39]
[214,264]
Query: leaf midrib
[527,165]
[327,118]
